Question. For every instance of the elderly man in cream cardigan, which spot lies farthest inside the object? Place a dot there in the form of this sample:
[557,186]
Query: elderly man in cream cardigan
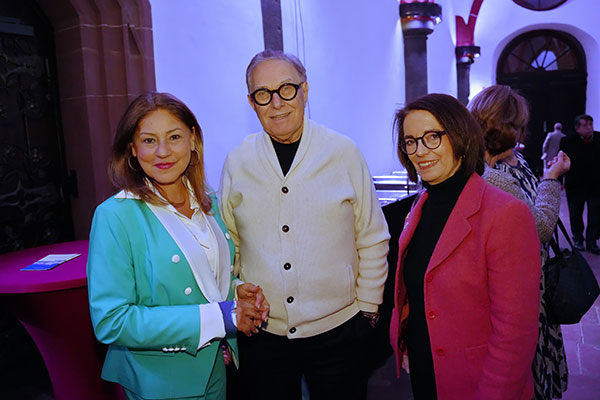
[300,205]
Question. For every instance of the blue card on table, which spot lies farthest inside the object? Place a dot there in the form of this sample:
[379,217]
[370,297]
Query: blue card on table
[49,262]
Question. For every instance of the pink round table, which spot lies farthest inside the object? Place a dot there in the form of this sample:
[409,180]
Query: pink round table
[53,306]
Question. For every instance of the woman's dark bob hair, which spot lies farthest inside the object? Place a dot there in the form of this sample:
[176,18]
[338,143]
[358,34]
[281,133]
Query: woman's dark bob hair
[461,128]
[124,170]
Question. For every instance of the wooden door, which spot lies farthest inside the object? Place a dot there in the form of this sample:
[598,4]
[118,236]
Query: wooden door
[548,68]
[34,191]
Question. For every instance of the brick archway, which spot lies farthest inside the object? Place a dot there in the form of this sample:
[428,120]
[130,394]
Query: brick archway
[105,58]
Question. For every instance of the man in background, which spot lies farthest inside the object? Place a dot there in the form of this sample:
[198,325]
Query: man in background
[582,182]
[552,144]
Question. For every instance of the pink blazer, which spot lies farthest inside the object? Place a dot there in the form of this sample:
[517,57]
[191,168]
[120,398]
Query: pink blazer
[482,296]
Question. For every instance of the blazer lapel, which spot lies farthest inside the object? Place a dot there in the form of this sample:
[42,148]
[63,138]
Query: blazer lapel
[195,256]
[220,225]
[410,225]
[224,267]
[458,226]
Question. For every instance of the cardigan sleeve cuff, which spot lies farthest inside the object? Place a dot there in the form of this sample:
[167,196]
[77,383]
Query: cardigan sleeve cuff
[234,284]
[368,307]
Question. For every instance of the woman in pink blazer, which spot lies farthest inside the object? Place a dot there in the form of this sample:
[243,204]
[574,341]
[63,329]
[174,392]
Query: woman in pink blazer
[469,265]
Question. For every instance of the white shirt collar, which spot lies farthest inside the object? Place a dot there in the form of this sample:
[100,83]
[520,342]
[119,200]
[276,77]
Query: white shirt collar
[125,194]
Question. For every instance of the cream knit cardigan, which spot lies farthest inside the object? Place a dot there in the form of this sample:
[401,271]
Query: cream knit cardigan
[318,247]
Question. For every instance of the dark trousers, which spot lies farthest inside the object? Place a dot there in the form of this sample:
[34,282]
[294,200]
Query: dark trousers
[333,364]
[576,201]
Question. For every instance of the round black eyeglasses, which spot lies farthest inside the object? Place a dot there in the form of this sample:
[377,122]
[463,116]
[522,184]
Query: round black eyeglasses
[287,92]
[432,140]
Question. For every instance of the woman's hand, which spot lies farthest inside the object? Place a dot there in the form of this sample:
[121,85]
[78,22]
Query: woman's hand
[558,166]
[253,308]
[254,294]
[248,318]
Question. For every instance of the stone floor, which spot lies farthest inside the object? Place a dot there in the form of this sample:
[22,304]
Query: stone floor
[23,375]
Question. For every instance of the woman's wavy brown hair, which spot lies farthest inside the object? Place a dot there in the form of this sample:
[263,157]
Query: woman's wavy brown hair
[124,170]
[460,127]
[502,114]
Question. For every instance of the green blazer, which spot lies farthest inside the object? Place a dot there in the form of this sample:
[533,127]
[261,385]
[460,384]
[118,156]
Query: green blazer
[144,302]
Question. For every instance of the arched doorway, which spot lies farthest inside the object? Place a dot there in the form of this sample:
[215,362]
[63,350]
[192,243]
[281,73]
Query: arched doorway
[548,67]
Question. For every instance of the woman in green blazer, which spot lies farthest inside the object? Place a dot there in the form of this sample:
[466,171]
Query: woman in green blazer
[160,281]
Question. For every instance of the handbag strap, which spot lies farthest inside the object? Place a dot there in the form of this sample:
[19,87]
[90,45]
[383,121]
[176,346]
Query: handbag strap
[555,247]
[564,232]
[555,234]
[555,242]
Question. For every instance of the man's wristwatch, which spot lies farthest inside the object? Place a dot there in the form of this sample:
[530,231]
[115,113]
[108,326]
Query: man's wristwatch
[373,317]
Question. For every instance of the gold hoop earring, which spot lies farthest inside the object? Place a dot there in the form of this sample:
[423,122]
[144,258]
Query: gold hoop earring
[197,158]
[131,166]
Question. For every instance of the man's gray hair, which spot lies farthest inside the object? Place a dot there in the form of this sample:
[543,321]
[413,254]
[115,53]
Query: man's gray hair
[270,54]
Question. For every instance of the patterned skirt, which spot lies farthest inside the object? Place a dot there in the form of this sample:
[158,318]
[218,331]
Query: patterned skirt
[550,373]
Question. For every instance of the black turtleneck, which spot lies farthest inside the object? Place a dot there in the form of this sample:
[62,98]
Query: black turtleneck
[285,154]
[434,215]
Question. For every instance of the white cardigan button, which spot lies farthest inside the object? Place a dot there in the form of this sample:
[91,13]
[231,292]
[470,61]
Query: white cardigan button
[187,291]
[227,235]
[175,258]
